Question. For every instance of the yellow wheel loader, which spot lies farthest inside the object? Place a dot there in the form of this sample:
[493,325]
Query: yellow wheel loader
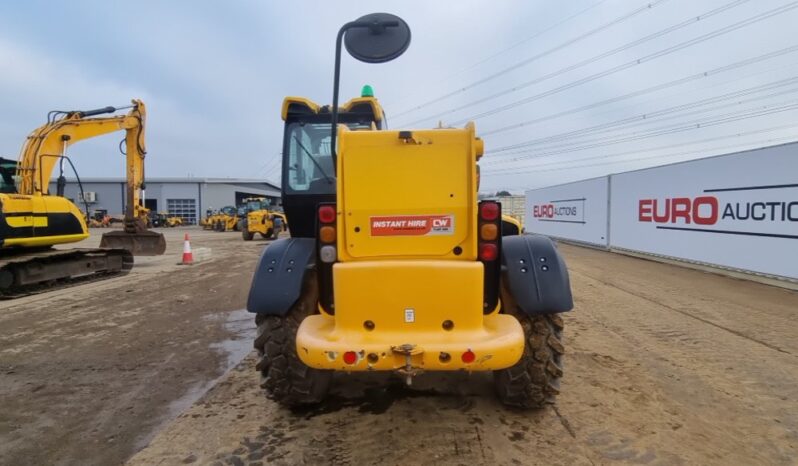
[164,220]
[32,220]
[393,263]
[211,216]
[173,221]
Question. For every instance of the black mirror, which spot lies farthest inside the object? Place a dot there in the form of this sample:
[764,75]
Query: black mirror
[385,37]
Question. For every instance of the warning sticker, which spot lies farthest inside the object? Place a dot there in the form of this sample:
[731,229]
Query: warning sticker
[412,225]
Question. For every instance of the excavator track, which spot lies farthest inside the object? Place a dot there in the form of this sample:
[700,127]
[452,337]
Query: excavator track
[26,273]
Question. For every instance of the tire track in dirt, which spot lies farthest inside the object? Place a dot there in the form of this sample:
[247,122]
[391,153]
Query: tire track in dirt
[688,314]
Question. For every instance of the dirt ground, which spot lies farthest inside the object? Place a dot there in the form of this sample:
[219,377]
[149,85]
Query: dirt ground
[664,365]
[89,373]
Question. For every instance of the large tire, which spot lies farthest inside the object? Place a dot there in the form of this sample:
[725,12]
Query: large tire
[534,381]
[285,377]
[247,235]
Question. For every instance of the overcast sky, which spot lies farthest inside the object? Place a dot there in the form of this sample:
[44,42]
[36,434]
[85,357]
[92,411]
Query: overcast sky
[213,75]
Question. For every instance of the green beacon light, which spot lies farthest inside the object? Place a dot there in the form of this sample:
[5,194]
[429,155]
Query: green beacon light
[367,91]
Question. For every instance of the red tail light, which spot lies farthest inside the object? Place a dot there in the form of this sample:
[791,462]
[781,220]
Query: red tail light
[489,211]
[350,357]
[468,357]
[488,252]
[327,214]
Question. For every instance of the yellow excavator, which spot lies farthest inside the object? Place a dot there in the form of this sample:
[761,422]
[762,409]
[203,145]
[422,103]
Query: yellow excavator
[32,220]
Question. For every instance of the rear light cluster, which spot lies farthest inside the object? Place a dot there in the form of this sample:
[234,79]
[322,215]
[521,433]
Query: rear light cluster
[489,228]
[350,358]
[327,233]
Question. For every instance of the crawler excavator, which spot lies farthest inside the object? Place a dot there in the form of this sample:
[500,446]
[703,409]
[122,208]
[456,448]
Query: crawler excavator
[32,220]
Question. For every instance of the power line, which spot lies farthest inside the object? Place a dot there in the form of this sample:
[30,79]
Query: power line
[270,164]
[533,36]
[735,147]
[533,168]
[639,61]
[649,90]
[690,21]
[672,129]
[645,118]
[540,55]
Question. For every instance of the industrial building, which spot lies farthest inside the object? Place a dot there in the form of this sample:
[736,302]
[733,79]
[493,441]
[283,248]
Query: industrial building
[188,198]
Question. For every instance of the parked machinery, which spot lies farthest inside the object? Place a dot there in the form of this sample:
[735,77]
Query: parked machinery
[32,220]
[164,220]
[261,219]
[225,220]
[394,264]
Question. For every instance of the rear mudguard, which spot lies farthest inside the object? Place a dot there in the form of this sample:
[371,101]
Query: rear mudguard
[278,278]
[536,274]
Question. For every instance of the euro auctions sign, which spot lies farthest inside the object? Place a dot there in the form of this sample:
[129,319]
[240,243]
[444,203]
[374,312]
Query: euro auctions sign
[738,210]
[561,210]
[574,211]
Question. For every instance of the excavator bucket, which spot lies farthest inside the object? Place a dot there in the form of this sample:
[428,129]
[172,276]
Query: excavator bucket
[142,243]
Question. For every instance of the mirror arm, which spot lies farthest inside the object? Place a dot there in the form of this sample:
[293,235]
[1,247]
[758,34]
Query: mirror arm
[336,79]
[375,28]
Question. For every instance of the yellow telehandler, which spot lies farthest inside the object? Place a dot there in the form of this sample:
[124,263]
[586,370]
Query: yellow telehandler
[225,220]
[32,220]
[259,219]
[393,263]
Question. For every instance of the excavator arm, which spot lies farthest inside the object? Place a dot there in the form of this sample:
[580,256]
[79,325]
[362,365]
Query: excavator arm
[47,146]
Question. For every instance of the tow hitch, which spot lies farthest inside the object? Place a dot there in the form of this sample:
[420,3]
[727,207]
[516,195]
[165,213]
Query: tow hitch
[409,371]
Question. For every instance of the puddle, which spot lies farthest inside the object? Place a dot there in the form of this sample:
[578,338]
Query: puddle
[241,326]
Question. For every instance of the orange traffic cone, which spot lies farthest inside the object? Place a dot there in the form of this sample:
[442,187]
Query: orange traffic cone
[188,257]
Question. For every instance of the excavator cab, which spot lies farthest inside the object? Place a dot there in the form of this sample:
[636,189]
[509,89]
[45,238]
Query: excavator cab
[8,170]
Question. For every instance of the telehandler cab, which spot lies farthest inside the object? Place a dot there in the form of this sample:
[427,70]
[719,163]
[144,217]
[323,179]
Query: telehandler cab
[394,264]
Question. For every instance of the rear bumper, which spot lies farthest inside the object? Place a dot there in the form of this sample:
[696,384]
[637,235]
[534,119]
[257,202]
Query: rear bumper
[410,316]
[498,345]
